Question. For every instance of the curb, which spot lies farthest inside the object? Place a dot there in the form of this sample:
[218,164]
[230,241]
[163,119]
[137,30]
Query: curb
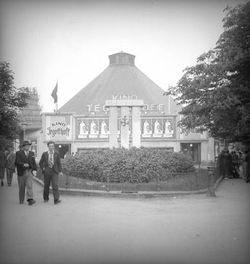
[145,194]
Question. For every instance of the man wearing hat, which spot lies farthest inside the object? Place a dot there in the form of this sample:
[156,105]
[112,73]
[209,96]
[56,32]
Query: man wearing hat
[26,168]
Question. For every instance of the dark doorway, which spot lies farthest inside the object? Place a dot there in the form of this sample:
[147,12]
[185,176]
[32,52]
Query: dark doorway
[194,149]
[63,149]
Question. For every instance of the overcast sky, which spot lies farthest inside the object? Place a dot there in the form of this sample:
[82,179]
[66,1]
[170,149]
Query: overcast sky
[70,41]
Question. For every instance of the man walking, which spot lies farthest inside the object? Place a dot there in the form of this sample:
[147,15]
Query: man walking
[26,168]
[50,164]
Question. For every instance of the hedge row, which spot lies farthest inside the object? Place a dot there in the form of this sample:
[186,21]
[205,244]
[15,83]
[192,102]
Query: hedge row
[122,165]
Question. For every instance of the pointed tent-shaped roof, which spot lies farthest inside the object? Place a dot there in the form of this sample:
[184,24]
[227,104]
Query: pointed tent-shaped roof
[120,79]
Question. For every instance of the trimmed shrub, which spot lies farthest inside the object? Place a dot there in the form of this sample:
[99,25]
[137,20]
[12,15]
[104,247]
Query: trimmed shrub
[122,165]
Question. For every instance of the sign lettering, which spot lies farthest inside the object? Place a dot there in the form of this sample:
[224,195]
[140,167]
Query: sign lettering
[58,129]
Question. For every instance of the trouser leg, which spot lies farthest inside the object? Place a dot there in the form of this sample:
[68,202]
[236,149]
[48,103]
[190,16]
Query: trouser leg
[9,176]
[21,185]
[55,186]
[47,179]
[29,185]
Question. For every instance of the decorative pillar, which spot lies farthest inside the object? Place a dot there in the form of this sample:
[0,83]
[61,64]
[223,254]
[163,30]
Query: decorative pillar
[125,127]
[125,105]
[136,126]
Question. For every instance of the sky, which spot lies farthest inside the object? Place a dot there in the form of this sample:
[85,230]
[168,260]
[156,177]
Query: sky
[70,41]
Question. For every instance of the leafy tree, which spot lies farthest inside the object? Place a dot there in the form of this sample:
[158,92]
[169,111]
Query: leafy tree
[12,100]
[215,93]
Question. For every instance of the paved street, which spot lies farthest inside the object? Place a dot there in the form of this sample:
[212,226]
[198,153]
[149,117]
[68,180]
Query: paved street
[187,229]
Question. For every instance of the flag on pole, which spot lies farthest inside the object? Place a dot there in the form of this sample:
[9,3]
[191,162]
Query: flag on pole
[54,93]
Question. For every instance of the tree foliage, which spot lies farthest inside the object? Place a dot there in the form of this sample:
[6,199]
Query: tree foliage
[12,100]
[215,93]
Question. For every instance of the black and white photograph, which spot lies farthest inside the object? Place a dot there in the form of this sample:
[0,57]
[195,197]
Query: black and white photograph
[124,131]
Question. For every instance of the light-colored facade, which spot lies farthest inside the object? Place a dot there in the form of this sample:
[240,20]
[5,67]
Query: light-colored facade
[122,107]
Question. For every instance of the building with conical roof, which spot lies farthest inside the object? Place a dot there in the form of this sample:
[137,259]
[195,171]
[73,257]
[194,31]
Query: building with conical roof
[119,105]
[120,80]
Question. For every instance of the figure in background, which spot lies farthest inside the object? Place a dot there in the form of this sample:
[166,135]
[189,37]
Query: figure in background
[10,165]
[187,153]
[244,164]
[235,165]
[225,164]
[67,155]
[248,166]
[2,165]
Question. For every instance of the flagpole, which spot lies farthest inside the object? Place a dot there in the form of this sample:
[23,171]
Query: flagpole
[56,104]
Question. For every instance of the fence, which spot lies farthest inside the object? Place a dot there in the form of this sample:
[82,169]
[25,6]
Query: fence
[189,181]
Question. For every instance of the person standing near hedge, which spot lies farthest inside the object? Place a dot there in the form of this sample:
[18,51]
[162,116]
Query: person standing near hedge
[26,168]
[50,164]
[10,165]
[2,166]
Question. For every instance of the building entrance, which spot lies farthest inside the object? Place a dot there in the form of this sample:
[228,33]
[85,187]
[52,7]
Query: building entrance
[63,149]
[194,150]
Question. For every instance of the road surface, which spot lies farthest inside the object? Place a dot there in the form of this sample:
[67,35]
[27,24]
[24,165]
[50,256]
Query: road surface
[187,229]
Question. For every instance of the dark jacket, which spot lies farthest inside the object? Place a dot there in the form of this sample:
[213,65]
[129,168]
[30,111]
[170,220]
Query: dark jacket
[10,161]
[44,162]
[2,159]
[21,158]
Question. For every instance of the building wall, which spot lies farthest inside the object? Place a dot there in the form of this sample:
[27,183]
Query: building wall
[64,128]
[159,144]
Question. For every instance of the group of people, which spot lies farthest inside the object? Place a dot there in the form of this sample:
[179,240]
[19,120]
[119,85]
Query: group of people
[24,162]
[234,164]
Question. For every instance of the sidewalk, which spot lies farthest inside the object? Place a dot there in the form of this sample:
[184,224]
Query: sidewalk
[129,193]
[84,229]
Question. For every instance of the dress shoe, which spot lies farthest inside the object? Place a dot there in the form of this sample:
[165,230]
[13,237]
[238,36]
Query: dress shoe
[57,201]
[2,183]
[46,201]
[21,202]
[31,201]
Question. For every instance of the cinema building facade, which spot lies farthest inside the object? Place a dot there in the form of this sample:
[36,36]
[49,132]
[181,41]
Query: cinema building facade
[122,107]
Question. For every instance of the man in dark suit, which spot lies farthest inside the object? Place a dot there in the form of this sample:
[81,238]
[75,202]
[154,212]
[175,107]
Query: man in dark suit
[50,164]
[26,168]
